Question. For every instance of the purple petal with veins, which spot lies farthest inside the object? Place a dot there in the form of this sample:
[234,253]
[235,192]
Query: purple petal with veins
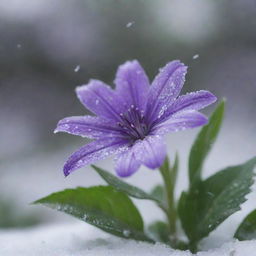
[92,127]
[132,84]
[150,151]
[165,88]
[92,152]
[126,163]
[132,119]
[100,99]
[180,122]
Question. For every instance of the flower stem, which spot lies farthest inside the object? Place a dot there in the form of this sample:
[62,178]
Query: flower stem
[169,178]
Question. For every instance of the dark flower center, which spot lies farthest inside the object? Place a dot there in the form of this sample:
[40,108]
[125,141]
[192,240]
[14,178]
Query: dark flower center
[133,124]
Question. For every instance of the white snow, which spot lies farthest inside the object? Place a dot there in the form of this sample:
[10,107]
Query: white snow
[129,24]
[77,68]
[196,56]
[80,239]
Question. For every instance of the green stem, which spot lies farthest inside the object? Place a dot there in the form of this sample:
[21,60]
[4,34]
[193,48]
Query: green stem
[192,247]
[171,209]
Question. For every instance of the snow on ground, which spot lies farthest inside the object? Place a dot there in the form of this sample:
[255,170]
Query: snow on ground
[80,239]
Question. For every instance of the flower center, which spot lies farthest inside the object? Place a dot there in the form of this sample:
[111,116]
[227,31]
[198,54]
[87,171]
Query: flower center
[133,124]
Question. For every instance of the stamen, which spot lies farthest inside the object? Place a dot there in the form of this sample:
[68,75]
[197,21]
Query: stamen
[133,123]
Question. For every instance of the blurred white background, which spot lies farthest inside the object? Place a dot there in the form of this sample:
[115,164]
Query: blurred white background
[43,41]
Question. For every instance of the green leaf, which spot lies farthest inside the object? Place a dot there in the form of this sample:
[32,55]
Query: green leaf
[170,172]
[247,229]
[123,186]
[207,205]
[165,167]
[158,193]
[159,231]
[204,143]
[174,170]
[101,206]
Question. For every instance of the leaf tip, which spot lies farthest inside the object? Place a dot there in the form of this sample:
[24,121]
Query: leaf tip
[35,202]
[96,168]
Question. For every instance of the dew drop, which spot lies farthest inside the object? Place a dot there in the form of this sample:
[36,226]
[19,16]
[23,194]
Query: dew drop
[210,194]
[126,233]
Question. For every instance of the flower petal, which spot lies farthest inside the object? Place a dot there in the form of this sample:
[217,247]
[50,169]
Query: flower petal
[94,151]
[132,84]
[150,151]
[189,102]
[181,121]
[126,163]
[165,88]
[100,99]
[88,126]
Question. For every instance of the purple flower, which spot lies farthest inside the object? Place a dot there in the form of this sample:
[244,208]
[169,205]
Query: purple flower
[132,120]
